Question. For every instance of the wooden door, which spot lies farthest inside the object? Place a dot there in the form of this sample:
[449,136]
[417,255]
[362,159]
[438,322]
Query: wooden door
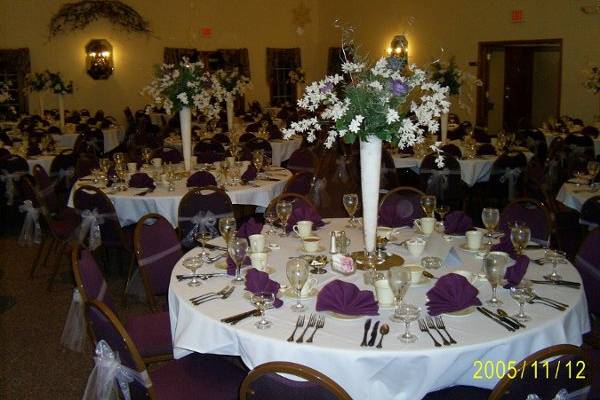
[518,75]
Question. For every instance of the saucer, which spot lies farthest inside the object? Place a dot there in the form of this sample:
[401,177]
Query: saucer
[465,248]
[301,249]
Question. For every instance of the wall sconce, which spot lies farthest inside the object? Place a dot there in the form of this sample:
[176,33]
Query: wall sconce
[99,59]
[398,47]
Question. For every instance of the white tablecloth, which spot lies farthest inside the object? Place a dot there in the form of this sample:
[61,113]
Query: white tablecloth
[398,371]
[44,160]
[550,136]
[283,149]
[112,137]
[570,198]
[130,208]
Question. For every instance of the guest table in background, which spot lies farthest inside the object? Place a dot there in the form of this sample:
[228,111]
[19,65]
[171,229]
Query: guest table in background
[573,195]
[550,136]
[113,136]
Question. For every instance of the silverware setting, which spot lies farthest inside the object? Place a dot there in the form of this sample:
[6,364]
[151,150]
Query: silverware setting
[234,319]
[439,322]
[320,324]
[367,327]
[573,285]
[200,276]
[299,324]
[210,260]
[371,341]
[222,294]
[432,326]
[311,323]
[502,316]
[496,319]
[384,329]
[538,300]
[423,327]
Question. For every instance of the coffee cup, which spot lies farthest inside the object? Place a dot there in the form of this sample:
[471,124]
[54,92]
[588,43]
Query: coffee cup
[257,243]
[308,287]
[258,260]
[230,161]
[311,243]
[157,162]
[474,239]
[416,273]
[425,225]
[416,246]
[132,167]
[384,292]
[303,228]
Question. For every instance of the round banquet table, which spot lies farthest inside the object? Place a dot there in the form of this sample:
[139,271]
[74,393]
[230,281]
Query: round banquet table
[573,195]
[550,136]
[112,137]
[44,160]
[398,371]
[130,207]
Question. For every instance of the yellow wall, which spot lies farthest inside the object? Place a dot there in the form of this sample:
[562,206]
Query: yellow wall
[432,25]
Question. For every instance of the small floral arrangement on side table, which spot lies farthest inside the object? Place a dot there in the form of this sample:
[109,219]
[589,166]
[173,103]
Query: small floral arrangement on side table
[297,75]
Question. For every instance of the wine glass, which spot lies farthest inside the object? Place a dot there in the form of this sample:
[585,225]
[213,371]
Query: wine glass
[407,313]
[146,155]
[399,279]
[193,263]
[171,178]
[204,237]
[237,248]
[351,205]
[495,265]
[442,210]
[428,204]
[257,159]
[555,257]
[270,219]
[227,228]
[519,236]
[297,273]
[284,210]
[490,218]
[104,165]
[593,168]
[522,293]
[263,301]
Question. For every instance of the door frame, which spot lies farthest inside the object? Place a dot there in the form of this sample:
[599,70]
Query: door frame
[483,70]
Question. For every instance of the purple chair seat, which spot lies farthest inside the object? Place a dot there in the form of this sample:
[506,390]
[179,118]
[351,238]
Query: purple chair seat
[459,392]
[65,224]
[198,376]
[151,333]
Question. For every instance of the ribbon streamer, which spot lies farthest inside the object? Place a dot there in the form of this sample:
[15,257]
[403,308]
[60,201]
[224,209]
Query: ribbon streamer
[204,222]
[438,181]
[511,175]
[73,336]
[9,180]
[90,226]
[317,192]
[31,232]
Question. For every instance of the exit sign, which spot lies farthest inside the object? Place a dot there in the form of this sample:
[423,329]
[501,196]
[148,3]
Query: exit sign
[516,16]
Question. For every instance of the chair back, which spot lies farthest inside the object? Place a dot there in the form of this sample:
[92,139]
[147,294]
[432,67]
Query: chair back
[168,155]
[590,212]
[579,144]
[452,149]
[246,137]
[388,178]
[587,262]
[200,210]
[63,167]
[258,144]
[89,278]
[445,183]
[481,136]
[302,160]
[209,146]
[400,207]
[45,188]
[527,379]
[506,173]
[533,213]
[458,133]
[274,132]
[85,163]
[591,131]
[221,138]
[91,198]
[299,183]
[104,325]
[265,382]
[157,250]
[296,200]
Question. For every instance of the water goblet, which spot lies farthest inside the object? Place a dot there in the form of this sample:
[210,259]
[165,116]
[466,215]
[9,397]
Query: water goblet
[104,164]
[193,263]
[522,293]
[555,257]
[593,168]
[350,201]
[227,228]
[237,248]
[270,219]
[442,210]
[263,301]
[407,313]
[297,273]
[399,279]
[146,155]
[490,218]
[204,237]
[494,263]
[257,159]
[284,210]
[519,236]
[428,204]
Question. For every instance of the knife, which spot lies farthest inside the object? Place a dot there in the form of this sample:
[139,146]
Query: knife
[201,276]
[574,285]
[507,320]
[374,334]
[534,247]
[367,326]
[215,247]
[495,319]
[234,319]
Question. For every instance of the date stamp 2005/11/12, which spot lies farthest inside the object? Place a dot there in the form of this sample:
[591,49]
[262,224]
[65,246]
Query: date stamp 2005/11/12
[489,369]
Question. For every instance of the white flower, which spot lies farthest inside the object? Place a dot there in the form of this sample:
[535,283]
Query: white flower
[350,67]
[376,85]
[355,123]
[392,116]
[183,97]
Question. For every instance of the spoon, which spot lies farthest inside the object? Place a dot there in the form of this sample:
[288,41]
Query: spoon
[428,274]
[384,330]
[504,314]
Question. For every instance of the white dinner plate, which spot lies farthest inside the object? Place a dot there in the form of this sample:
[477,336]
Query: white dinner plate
[465,248]
[343,317]
[461,313]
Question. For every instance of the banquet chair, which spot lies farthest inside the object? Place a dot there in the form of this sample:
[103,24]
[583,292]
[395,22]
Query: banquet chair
[452,149]
[195,376]
[302,160]
[4,138]
[246,137]
[12,168]
[299,183]
[458,133]
[221,138]
[445,183]
[265,382]
[274,132]
[258,144]
[505,176]
[400,207]
[388,178]
[295,198]
[54,130]
[534,214]
[535,141]
[199,212]
[253,128]
[577,143]
[590,212]
[85,163]
[168,155]
[150,332]
[95,139]
[157,249]
[591,131]
[84,112]
[209,145]
[587,262]
[480,135]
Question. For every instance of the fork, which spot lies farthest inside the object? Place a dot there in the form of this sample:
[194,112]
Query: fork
[223,296]
[320,324]
[311,322]
[439,322]
[431,325]
[220,292]
[299,324]
[423,328]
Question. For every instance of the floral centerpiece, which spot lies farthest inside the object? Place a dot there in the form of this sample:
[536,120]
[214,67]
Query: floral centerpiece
[592,84]
[37,82]
[182,88]
[58,86]
[4,92]
[229,83]
[389,101]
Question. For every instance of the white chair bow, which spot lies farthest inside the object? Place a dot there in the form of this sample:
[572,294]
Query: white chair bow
[9,179]
[109,371]
[204,222]
[318,193]
[438,180]
[511,175]
[73,335]
[90,224]
[30,232]
[65,174]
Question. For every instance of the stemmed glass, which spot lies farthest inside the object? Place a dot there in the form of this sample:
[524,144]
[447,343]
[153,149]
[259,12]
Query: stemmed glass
[555,257]
[351,205]
[171,178]
[519,236]
[257,160]
[399,279]
[263,301]
[193,263]
[407,313]
[284,210]
[204,237]
[428,204]
[227,228]
[495,265]
[297,273]
[146,155]
[270,219]
[442,210]
[238,247]
[522,293]
[104,165]
[593,168]
[490,218]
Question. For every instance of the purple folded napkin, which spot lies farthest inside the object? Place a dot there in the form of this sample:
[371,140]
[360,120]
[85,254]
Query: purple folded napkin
[505,245]
[209,157]
[171,156]
[392,214]
[452,292]
[259,281]
[304,212]
[457,223]
[486,149]
[141,180]
[250,227]
[250,173]
[231,265]
[33,149]
[516,272]
[346,298]
[201,178]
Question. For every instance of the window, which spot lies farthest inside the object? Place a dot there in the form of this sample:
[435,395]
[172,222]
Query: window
[279,63]
[14,66]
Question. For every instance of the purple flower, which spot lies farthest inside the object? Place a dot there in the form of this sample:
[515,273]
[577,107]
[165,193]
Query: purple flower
[326,88]
[399,88]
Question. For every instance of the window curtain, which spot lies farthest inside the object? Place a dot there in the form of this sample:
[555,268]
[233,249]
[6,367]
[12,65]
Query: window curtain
[173,55]
[17,61]
[276,57]
[236,58]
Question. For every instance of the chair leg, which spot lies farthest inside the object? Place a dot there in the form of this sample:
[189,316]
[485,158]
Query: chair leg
[60,250]
[128,281]
[39,254]
[51,249]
